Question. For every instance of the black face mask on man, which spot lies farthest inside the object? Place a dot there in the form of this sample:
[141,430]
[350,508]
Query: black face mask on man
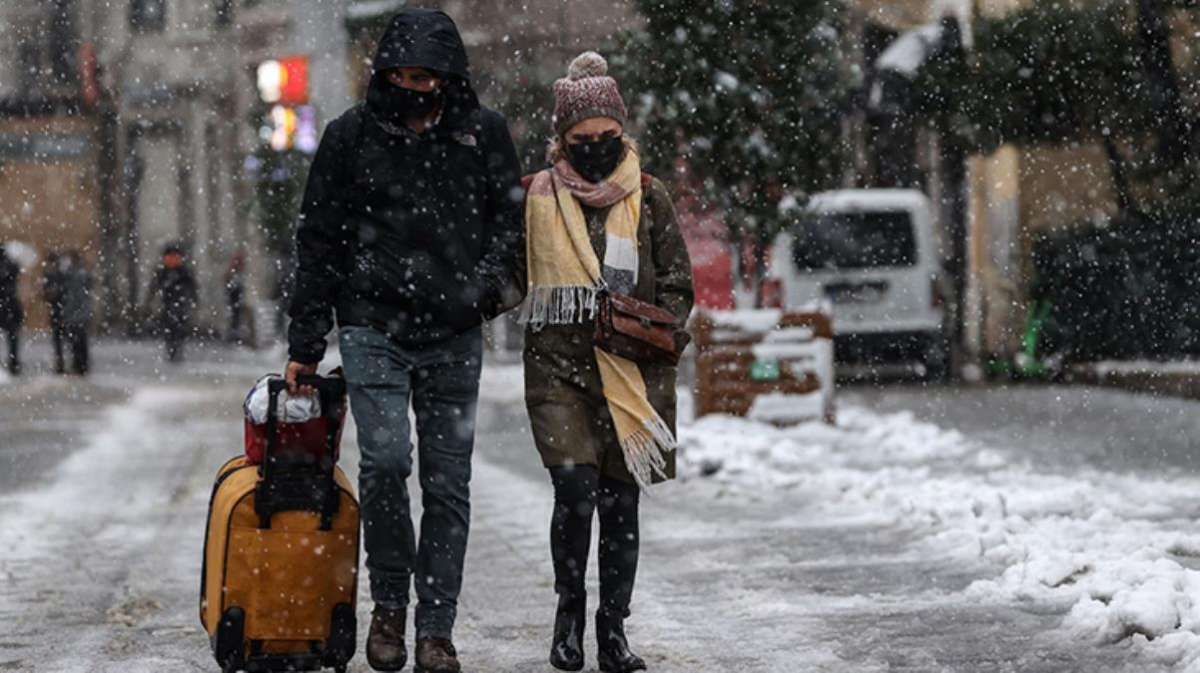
[397,104]
[597,159]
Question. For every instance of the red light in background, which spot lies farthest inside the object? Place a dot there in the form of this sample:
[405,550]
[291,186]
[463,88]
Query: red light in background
[294,87]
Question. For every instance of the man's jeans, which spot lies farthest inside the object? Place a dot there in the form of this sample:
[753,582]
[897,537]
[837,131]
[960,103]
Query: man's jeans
[442,381]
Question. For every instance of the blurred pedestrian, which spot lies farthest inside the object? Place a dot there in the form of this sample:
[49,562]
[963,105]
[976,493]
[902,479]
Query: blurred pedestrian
[410,227]
[76,298]
[235,295]
[52,274]
[176,287]
[604,425]
[12,315]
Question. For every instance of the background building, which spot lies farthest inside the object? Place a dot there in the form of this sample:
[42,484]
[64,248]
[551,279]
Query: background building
[125,126]
[50,143]
[991,212]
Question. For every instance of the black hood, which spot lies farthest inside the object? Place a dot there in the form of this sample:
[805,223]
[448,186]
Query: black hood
[427,38]
[423,38]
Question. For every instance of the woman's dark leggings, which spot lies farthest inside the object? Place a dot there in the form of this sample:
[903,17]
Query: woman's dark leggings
[579,492]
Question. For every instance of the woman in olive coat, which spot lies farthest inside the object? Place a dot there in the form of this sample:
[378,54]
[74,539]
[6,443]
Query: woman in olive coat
[604,426]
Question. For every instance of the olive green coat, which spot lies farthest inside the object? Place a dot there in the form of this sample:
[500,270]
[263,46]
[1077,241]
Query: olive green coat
[570,417]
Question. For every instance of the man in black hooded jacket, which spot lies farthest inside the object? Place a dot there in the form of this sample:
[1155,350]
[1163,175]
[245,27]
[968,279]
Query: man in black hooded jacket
[410,223]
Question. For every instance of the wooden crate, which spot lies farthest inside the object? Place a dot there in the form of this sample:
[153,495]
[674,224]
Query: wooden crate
[729,343]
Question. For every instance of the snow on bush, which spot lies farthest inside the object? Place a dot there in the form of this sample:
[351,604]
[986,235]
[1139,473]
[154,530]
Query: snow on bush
[1113,551]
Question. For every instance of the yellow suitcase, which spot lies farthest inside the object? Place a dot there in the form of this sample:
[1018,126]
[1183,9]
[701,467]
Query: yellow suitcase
[280,572]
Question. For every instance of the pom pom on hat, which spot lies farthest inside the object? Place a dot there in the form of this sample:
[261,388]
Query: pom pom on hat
[587,64]
[587,91]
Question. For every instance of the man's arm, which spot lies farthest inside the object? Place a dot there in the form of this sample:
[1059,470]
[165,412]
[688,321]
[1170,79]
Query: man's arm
[320,250]
[505,247]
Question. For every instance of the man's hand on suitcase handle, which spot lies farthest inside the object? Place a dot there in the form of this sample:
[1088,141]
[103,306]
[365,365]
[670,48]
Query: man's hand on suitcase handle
[295,369]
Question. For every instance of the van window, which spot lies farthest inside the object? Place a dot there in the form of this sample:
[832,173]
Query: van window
[854,240]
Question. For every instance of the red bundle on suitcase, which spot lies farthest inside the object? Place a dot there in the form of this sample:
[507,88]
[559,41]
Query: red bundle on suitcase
[309,436]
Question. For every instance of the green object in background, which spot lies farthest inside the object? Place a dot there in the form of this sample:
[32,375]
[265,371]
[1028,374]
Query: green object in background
[765,370]
[1027,363]
[1035,320]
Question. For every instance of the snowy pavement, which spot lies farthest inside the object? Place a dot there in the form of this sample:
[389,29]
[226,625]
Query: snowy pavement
[885,544]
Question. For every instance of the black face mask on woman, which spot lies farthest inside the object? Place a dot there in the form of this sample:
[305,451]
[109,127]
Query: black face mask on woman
[596,160]
[397,104]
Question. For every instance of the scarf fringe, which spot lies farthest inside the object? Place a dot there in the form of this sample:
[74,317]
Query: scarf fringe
[645,451]
[562,305]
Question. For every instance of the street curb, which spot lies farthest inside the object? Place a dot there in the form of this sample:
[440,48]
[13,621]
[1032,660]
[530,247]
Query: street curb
[1148,381]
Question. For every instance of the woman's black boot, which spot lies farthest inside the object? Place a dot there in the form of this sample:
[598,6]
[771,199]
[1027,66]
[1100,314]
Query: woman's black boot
[570,536]
[619,543]
[566,652]
[613,652]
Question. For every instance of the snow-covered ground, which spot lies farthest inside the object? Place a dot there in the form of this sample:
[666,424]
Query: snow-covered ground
[1119,550]
[882,544]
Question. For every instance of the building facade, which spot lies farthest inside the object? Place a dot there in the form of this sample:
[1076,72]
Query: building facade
[1008,197]
[51,139]
[126,126]
[190,116]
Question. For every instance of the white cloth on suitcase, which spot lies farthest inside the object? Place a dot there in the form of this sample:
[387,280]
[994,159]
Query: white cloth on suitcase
[290,409]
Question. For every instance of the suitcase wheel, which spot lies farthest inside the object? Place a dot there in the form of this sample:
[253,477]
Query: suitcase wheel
[339,649]
[229,645]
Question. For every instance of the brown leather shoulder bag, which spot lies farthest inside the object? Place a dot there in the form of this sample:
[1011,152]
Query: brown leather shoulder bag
[635,330]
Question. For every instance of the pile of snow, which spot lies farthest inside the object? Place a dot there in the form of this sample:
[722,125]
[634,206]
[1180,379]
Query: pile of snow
[785,408]
[1114,551]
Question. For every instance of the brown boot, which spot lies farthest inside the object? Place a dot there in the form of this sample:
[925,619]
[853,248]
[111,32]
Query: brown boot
[385,642]
[437,655]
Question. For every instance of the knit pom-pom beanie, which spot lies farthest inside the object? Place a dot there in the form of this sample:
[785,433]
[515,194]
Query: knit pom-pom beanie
[587,91]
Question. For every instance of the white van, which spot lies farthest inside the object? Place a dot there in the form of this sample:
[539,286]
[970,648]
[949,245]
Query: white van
[871,254]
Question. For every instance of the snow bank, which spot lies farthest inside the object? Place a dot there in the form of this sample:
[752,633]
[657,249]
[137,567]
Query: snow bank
[1124,572]
[1115,552]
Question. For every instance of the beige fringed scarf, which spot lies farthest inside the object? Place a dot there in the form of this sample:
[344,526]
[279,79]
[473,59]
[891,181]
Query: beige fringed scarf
[564,275]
